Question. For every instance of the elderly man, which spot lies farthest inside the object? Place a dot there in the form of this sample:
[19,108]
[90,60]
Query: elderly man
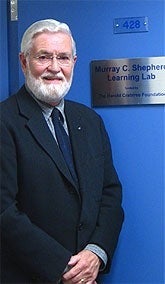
[61,197]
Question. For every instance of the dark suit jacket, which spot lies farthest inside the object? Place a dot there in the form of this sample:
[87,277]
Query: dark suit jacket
[46,217]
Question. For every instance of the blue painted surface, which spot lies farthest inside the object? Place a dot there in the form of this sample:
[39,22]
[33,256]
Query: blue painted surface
[4,77]
[136,132]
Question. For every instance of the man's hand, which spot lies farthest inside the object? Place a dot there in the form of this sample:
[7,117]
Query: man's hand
[84,268]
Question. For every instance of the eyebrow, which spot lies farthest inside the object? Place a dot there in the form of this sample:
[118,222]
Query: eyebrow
[43,52]
[46,52]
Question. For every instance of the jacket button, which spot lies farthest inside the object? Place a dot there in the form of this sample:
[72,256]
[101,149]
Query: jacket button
[80,226]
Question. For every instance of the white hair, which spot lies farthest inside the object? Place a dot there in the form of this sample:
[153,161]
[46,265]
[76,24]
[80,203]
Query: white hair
[49,25]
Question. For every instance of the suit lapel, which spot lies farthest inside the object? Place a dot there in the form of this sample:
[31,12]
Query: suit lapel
[77,131]
[40,131]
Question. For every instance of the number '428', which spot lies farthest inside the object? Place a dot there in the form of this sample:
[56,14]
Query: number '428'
[132,24]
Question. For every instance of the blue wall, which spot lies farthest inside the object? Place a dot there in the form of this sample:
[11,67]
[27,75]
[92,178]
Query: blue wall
[136,132]
[4,78]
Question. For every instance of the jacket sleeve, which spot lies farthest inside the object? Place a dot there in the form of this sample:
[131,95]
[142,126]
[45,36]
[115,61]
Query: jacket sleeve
[32,248]
[111,214]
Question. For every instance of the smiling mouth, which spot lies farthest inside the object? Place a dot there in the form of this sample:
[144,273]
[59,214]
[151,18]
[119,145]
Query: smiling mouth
[52,79]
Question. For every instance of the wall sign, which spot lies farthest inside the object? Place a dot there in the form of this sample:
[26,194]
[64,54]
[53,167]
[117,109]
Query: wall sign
[130,25]
[128,81]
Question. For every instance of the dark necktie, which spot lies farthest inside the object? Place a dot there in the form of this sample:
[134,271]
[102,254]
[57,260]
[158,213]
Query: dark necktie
[63,140]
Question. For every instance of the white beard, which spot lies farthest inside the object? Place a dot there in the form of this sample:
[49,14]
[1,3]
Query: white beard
[48,93]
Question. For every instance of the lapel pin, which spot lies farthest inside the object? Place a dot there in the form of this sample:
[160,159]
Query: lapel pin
[79,127]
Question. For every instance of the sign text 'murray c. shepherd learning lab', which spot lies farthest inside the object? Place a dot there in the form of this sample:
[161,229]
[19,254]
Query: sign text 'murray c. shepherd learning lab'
[128,81]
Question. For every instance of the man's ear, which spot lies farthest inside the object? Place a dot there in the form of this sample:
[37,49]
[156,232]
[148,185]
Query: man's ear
[75,59]
[23,62]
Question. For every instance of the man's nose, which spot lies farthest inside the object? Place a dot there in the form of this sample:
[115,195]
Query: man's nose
[54,65]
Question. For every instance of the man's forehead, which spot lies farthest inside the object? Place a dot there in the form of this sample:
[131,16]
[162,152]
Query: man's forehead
[47,35]
[50,41]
